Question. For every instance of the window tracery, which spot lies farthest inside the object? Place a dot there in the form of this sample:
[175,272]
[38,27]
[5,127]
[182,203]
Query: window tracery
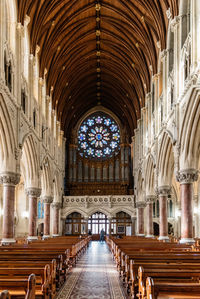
[98,136]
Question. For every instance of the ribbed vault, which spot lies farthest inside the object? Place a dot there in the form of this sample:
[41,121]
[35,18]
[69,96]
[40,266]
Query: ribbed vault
[97,51]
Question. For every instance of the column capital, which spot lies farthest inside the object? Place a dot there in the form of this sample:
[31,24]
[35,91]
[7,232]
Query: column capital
[150,199]
[164,190]
[140,204]
[33,192]
[9,178]
[56,205]
[47,199]
[187,176]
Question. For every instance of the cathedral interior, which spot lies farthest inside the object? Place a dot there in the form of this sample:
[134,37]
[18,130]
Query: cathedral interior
[99,119]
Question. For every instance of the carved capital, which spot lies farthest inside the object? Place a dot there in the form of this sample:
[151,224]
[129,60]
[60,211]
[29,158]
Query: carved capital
[33,192]
[140,204]
[9,178]
[150,199]
[164,190]
[187,176]
[47,199]
[56,205]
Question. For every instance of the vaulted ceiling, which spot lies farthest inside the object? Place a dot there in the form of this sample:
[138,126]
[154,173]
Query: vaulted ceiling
[98,52]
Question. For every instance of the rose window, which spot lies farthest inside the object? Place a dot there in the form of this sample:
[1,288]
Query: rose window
[98,136]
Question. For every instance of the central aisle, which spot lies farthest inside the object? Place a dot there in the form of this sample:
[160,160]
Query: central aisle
[94,277]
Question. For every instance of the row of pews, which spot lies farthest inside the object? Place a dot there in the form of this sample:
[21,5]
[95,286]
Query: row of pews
[38,269]
[155,269]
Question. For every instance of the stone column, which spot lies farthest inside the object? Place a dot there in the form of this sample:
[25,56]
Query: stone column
[110,221]
[9,180]
[140,218]
[47,201]
[56,207]
[86,224]
[186,179]
[149,201]
[133,219]
[163,192]
[33,194]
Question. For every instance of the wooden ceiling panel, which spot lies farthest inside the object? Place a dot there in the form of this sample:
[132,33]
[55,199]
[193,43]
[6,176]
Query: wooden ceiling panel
[97,51]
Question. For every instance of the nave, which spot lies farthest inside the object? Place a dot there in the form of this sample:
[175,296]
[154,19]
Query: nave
[94,277]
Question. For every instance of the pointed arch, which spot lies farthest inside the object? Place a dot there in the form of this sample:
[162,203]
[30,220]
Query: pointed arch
[149,176]
[165,163]
[30,162]
[47,181]
[7,139]
[190,133]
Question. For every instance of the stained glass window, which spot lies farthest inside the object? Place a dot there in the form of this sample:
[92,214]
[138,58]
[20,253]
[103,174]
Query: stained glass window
[98,136]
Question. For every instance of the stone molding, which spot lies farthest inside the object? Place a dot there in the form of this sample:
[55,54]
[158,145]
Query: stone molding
[9,178]
[56,205]
[33,192]
[140,204]
[150,199]
[187,176]
[164,190]
[47,199]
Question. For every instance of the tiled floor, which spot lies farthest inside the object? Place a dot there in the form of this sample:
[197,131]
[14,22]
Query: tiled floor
[94,277]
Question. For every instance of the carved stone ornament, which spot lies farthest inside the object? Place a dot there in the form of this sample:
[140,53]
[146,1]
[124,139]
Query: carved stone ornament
[56,205]
[33,192]
[187,176]
[47,199]
[140,204]
[150,199]
[9,178]
[164,190]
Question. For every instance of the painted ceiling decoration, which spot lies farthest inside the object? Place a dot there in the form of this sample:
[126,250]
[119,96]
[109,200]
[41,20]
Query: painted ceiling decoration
[94,52]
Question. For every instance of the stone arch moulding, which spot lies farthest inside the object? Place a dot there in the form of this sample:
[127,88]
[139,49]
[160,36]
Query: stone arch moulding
[190,132]
[99,209]
[99,109]
[30,160]
[125,210]
[47,180]
[7,139]
[150,175]
[165,159]
[66,212]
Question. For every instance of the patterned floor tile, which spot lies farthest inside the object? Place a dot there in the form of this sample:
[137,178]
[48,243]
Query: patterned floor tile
[94,277]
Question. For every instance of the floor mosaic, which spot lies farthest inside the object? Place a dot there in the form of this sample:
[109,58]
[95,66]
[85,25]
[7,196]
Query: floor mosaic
[94,277]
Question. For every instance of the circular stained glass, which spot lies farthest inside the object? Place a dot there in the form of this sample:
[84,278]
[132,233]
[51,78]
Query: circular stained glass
[98,136]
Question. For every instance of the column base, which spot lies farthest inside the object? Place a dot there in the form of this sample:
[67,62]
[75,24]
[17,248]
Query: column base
[32,238]
[8,241]
[187,240]
[150,236]
[163,238]
[140,235]
[46,237]
[55,235]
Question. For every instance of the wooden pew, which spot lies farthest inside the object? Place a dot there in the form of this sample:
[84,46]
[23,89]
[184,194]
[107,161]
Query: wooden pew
[168,289]
[4,295]
[18,287]
[169,275]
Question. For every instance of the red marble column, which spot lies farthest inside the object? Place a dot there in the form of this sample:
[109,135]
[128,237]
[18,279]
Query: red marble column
[47,202]
[9,180]
[140,218]
[149,201]
[33,194]
[163,196]
[186,179]
[56,207]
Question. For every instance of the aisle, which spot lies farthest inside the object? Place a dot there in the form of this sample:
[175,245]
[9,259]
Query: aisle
[94,277]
